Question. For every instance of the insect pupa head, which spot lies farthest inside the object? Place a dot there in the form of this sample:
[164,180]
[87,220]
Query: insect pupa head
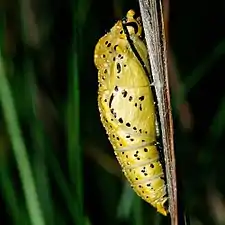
[133,23]
[105,47]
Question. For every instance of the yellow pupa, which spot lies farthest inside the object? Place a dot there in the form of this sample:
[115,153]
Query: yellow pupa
[127,109]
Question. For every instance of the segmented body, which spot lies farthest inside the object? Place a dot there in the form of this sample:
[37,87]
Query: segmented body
[127,109]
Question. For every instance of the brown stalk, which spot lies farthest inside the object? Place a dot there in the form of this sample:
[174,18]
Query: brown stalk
[154,27]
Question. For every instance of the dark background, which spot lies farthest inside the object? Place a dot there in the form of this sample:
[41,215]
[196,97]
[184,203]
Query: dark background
[47,50]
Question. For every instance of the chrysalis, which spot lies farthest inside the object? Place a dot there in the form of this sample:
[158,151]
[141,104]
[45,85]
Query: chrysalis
[127,109]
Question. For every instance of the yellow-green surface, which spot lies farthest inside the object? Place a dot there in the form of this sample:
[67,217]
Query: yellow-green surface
[127,109]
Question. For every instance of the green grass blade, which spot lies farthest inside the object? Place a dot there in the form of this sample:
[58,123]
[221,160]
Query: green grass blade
[217,127]
[19,149]
[137,211]
[16,210]
[64,187]
[126,201]
[41,174]
[198,73]
[73,135]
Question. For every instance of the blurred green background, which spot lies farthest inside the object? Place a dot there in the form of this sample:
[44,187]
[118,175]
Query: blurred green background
[57,166]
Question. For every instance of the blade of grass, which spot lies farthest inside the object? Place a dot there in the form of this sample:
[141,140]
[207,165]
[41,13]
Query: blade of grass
[41,173]
[126,201]
[19,148]
[137,211]
[74,149]
[63,186]
[73,118]
[73,123]
[197,74]
[16,209]
[65,190]
[38,144]
[217,127]
[74,154]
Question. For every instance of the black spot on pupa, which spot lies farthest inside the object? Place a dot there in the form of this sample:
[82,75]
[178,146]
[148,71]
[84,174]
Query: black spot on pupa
[118,67]
[114,113]
[117,77]
[114,58]
[108,45]
[123,153]
[148,185]
[140,107]
[151,165]
[121,144]
[118,138]
[110,100]
[105,100]
[128,136]
[120,120]
[121,32]
[105,71]
[130,98]
[115,47]
[138,158]
[135,155]
[140,186]
[140,130]
[124,93]
[116,88]
[131,139]
[106,42]
[113,136]
[134,128]
[128,124]
[145,150]
[143,140]
[124,65]
[103,55]
[135,104]
[145,174]
[136,178]
[142,98]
